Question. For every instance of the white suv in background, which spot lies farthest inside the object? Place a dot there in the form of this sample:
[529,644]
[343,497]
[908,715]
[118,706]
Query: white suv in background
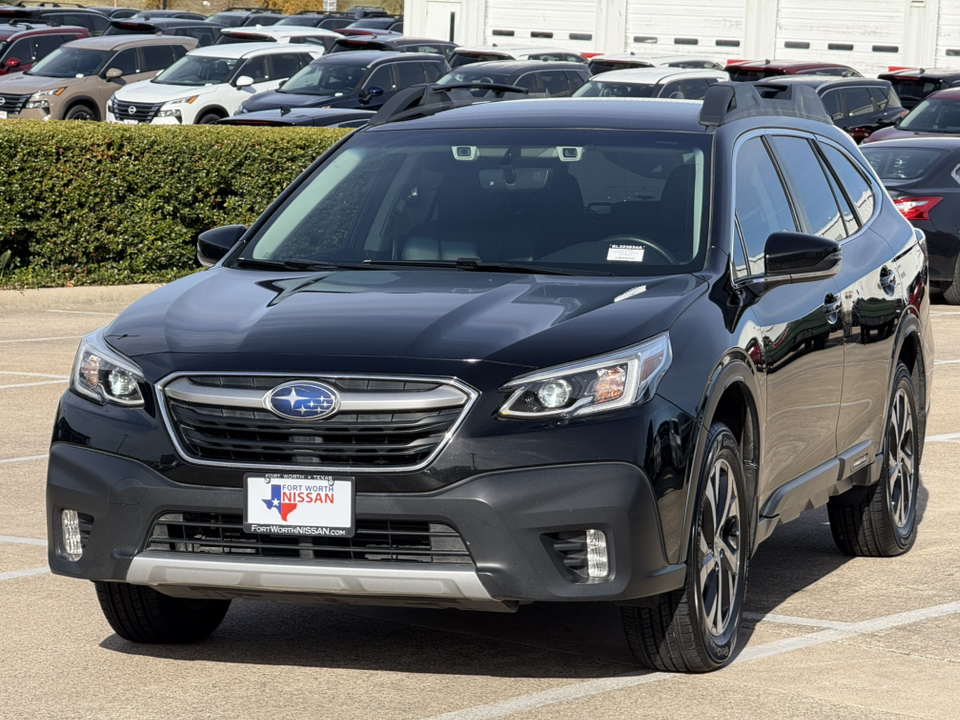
[209,83]
[655,82]
[319,37]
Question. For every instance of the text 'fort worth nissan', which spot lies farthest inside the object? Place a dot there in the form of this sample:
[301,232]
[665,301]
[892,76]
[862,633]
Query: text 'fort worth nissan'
[511,353]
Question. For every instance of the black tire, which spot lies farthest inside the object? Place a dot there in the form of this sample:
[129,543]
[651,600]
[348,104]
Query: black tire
[695,628]
[951,290]
[81,112]
[881,520]
[140,614]
[209,119]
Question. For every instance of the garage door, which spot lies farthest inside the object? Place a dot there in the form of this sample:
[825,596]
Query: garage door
[701,28]
[865,34]
[541,22]
[948,36]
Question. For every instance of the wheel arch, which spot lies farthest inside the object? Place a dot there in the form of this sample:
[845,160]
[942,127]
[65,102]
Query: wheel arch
[81,100]
[910,351]
[732,396]
[215,109]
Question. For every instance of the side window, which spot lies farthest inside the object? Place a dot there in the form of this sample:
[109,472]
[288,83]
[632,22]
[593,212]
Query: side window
[409,73]
[555,83]
[739,259]
[287,65]
[695,88]
[156,58]
[382,78]
[575,79]
[531,82]
[831,102]
[854,184]
[126,61]
[22,51]
[256,68]
[813,193]
[43,45]
[432,71]
[574,58]
[761,203]
[429,49]
[204,36]
[858,101]
[671,90]
[178,51]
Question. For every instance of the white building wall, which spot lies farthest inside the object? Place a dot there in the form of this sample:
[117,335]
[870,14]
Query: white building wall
[870,35]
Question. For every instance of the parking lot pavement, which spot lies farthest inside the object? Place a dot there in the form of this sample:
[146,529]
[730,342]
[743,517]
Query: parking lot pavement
[824,635]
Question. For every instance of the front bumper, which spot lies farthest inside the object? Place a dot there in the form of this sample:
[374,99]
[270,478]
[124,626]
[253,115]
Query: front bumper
[505,519]
[110,117]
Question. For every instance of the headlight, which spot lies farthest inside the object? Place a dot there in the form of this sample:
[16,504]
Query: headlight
[42,99]
[599,384]
[170,108]
[104,375]
[240,110]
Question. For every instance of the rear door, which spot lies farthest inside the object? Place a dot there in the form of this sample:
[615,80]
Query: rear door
[802,352]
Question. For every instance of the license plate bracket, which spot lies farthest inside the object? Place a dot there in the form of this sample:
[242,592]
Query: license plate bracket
[299,504]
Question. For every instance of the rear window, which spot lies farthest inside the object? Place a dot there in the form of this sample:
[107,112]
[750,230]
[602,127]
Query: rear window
[750,74]
[227,19]
[461,59]
[914,89]
[901,163]
[596,88]
[601,66]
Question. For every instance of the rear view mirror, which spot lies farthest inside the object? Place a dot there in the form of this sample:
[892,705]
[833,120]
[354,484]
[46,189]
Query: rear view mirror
[11,63]
[796,257]
[212,245]
[244,81]
[113,73]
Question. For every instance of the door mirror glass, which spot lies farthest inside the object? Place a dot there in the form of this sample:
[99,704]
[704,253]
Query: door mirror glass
[797,257]
[212,245]
[113,73]
[244,81]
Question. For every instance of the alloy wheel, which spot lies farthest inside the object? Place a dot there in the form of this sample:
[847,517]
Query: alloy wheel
[900,458]
[719,548]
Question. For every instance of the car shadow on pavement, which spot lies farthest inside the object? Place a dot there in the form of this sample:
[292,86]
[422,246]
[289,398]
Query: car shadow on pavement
[545,640]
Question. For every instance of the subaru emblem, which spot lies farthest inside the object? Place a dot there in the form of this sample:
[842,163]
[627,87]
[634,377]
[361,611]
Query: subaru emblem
[303,400]
[132,109]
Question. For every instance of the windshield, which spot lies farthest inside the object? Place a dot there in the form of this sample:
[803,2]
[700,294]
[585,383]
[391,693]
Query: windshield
[198,70]
[575,201]
[333,80]
[225,39]
[617,89]
[901,163]
[228,19]
[913,90]
[71,62]
[934,114]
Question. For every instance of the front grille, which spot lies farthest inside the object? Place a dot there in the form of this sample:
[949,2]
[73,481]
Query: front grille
[86,527]
[13,103]
[211,429]
[142,112]
[379,540]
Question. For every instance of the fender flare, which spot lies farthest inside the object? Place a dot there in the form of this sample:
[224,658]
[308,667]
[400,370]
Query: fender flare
[82,100]
[218,109]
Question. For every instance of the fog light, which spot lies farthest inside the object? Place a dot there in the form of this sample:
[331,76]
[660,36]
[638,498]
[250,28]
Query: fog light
[70,525]
[554,394]
[598,566]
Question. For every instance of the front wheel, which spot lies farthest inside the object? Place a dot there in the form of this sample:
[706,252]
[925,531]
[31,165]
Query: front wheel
[694,629]
[140,614]
[881,520]
[81,112]
[209,119]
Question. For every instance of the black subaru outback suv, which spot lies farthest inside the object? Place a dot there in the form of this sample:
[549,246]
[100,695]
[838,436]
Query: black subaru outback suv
[554,350]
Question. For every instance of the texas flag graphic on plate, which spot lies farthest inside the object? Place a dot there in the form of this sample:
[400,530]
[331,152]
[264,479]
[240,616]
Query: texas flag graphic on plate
[288,504]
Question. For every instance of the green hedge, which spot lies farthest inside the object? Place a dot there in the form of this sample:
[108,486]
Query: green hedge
[93,203]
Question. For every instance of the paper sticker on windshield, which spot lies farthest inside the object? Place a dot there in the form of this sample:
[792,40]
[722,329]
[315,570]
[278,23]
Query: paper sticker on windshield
[625,253]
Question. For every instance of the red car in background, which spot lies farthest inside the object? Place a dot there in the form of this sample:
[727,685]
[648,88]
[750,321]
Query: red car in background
[24,43]
[938,114]
[753,70]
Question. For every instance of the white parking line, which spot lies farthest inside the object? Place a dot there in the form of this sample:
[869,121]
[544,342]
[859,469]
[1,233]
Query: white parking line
[948,437]
[83,312]
[33,384]
[778,647]
[23,340]
[787,620]
[29,374]
[14,574]
[22,541]
[28,458]
[946,362]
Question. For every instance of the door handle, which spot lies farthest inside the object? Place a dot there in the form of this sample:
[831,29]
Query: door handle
[888,279]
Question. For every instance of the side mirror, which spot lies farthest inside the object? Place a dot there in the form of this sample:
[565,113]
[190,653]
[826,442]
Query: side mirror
[370,92]
[796,257]
[212,245]
[113,73]
[244,81]
[11,63]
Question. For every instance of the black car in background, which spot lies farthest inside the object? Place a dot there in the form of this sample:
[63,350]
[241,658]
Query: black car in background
[95,22]
[394,43]
[538,78]
[325,20]
[858,105]
[558,350]
[114,13]
[241,17]
[362,80]
[913,85]
[922,175]
[390,23]
[303,116]
[148,15]
[204,31]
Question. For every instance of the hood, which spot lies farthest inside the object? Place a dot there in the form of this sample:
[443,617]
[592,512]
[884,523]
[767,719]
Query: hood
[272,99]
[519,319]
[146,91]
[20,84]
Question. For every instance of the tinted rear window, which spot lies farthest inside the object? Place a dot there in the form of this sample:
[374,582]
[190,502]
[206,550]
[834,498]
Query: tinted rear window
[901,163]
[600,66]
[915,88]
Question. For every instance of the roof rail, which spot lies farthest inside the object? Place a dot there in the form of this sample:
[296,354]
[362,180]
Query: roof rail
[729,101]
[423,100]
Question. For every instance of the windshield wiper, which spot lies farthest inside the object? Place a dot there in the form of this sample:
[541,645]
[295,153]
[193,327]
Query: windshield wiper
[483,266]
[296,264]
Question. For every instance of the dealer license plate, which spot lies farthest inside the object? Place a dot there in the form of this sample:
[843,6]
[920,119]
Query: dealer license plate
[130,122]
[3,114]
[298,504]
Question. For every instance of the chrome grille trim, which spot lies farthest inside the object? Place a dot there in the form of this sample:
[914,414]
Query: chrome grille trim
[14,103]
[443,396]
[164,385]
